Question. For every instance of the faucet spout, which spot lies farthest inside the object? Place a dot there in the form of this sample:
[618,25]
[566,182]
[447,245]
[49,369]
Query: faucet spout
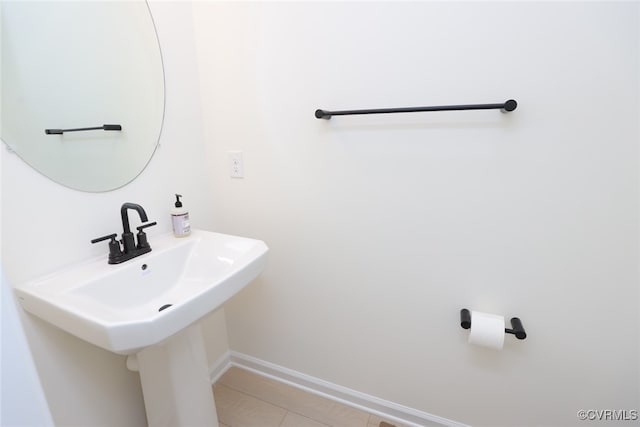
[125,215]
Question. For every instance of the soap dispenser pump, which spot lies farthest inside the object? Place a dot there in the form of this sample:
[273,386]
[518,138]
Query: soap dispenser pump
[180,219]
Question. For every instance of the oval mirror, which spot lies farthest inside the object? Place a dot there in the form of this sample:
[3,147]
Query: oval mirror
[69,69]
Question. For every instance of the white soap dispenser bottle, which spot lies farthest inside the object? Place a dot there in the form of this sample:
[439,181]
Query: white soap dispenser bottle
[180,219]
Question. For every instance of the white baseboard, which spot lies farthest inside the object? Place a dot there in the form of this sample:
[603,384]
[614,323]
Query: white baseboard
[219,367]
[384,408]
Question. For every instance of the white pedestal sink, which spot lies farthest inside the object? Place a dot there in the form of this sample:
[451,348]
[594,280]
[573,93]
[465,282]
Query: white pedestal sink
[148,308]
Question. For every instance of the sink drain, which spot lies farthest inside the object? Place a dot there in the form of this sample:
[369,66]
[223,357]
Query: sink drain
[165,306]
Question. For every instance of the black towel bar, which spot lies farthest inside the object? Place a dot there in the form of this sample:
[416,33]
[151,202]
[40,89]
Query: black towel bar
[505,107]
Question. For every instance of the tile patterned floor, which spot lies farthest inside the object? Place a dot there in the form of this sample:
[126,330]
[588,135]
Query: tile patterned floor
[245,399]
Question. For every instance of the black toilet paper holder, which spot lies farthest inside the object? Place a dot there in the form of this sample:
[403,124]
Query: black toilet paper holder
[516,324]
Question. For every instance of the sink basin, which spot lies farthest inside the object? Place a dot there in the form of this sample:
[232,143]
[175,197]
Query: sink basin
[127,307]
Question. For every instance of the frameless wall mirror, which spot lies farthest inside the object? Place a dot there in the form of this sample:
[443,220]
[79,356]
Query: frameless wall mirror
[69,65]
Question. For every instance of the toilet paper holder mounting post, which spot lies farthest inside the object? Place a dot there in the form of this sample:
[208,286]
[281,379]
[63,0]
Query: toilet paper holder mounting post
[516,324]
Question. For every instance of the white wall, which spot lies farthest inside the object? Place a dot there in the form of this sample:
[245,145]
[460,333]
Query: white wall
[19,379]
[381,228]
[46,226]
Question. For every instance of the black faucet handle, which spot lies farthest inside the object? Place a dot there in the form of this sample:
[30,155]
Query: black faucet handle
[114,247]
[143,226]
[142,236]
[100,239]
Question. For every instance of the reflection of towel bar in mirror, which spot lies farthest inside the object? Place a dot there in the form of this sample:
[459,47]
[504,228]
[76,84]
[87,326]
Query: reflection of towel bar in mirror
[61,131]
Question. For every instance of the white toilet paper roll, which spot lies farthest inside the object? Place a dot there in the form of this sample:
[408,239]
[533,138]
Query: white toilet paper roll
[487,330]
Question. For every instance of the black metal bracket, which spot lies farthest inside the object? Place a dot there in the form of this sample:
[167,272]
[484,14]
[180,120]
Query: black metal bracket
[505,107]
[516,324]
[61,131]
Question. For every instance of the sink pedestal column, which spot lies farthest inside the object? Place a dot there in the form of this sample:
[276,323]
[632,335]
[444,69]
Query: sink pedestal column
[175,382]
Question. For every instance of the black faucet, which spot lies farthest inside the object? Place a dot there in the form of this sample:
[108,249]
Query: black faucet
[129,248]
